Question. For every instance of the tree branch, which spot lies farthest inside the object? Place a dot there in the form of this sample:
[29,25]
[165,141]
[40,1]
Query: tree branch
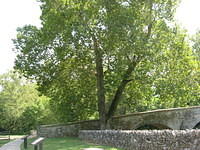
[150,19]
[135,60]
[121,89]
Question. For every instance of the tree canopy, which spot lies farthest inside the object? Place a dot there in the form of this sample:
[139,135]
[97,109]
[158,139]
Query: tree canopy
[92,55]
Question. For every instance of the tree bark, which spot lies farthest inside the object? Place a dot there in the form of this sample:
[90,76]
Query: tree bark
[100,84]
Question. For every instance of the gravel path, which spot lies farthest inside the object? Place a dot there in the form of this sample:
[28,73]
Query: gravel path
[14,145]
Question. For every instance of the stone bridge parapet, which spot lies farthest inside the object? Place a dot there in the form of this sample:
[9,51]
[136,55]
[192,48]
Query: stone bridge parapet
[174,118]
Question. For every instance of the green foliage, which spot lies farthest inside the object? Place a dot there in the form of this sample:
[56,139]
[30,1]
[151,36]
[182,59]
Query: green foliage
[28,120]
[196,44]
[138,37]
[61,55]
[22,109]
[170,79]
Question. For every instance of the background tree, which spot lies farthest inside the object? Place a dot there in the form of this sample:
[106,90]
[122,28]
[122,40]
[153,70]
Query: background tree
[169,80]
[22,109]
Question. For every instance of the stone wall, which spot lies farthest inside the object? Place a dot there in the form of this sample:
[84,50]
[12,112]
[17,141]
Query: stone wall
[145,140]
[70,129]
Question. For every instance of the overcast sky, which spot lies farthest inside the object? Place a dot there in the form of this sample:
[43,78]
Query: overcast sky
[13,14]
[17,13]
[188,14]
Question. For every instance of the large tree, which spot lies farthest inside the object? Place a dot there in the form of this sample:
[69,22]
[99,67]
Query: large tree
[85,40]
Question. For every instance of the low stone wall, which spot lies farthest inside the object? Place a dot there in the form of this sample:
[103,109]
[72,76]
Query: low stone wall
[70,129]
[145,140]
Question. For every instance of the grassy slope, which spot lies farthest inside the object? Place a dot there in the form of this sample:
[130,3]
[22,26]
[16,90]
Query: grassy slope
[2,142]
[66,144]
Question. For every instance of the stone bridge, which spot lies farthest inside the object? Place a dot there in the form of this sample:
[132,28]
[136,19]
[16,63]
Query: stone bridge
[175,118]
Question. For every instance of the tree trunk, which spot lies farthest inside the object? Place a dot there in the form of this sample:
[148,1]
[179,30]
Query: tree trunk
[120,90]
[100,85]
[104,118]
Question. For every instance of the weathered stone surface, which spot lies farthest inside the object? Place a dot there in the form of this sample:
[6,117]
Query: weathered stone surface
[71,129]
[178,118]
[145,140]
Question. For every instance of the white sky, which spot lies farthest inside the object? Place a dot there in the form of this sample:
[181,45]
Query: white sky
[17,13]
[188,15]
[13,14]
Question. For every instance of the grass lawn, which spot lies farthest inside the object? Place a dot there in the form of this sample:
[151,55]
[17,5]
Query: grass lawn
[66,144]
[2,142]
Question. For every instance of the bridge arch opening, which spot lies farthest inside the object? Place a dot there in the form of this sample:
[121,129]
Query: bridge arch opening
[197,126]
[153,127]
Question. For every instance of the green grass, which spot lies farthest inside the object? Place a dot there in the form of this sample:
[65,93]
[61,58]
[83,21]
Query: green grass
[66,144]
[2,142]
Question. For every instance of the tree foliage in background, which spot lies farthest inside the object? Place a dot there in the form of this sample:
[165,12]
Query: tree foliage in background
[170,79]
[21,109]
[89,52]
